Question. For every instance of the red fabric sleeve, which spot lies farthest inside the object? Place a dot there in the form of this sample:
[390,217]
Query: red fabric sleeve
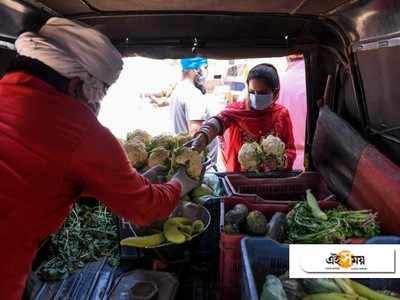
[102,169]
[287,137]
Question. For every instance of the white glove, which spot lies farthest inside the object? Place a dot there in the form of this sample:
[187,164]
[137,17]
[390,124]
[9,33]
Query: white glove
[187,183]
[155,174]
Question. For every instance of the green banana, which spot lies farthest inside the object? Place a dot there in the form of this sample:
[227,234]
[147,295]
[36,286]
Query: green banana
[172,232]
[186,229]
[144,241]
[181,220]
[368,293]
[187,236]
[345,285]
[198,226]
[333,296]
[175,230]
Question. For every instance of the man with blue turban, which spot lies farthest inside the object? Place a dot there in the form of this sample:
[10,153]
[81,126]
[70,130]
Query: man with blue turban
[188,108]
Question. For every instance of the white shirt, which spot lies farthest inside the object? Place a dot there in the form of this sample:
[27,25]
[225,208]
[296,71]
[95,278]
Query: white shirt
[187,104]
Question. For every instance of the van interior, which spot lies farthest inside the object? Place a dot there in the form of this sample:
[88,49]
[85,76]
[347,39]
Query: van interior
[350,49]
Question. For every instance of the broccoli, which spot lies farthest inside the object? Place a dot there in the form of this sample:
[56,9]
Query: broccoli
[159,156]
[136,152]
[250,156]
[140,135]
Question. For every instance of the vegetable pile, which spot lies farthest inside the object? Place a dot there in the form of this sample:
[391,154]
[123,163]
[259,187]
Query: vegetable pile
[306,223]
[88,234]
[240,220]
[209,188]
[258,156]
[175,230]
[309,225]
[284,288]
[145,151]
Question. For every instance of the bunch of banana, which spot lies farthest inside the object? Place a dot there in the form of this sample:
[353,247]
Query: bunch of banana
[175,230]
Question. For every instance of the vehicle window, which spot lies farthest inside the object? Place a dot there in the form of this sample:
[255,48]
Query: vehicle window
[141,95]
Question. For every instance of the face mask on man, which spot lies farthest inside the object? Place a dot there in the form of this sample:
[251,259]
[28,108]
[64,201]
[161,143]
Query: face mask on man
[200,80]
[201,75]
[260,102]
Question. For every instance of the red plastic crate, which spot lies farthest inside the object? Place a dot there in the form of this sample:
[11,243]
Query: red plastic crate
[230,260]
[276,190]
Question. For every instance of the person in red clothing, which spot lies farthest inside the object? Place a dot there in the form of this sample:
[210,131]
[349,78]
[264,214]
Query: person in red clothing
[247,121]
[52,147]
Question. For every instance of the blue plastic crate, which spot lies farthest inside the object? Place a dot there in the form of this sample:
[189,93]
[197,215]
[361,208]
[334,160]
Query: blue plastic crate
[383,283]
[384,239]
[262,256]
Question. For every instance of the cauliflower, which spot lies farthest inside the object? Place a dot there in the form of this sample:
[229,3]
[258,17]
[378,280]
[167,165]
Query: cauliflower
[192,160]
[159,156]
[136,152]
[182,139]
[163,140]
[273,146]
[195,166]
[140,135]
[182,156]
[249,156]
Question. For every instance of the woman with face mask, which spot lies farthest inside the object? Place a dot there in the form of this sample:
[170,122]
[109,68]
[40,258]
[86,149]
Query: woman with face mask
[250,120]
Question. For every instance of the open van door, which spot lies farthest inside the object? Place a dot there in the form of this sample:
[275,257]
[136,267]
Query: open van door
[357,146]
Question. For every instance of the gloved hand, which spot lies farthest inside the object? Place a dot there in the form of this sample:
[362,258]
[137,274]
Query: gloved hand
[155,174]
[185,181]
[198,143]
[207,132]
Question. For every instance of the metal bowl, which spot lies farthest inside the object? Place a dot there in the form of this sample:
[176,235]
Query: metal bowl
[170,252]
[193,212]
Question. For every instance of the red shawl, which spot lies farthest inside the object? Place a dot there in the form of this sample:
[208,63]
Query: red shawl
[242,125]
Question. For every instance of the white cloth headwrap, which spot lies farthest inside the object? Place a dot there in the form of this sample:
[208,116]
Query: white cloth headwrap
[74,50]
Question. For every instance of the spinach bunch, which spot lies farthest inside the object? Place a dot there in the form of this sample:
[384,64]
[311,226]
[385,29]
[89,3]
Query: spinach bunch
[340,224]
[88,234]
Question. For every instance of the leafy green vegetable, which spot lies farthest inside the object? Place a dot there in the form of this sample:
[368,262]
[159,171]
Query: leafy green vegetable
[341,224]
[88,234]
[313,204]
